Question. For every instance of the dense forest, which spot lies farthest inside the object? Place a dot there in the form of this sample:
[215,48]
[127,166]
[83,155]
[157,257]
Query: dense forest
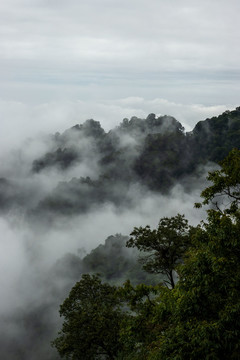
[154,152]
[194,316]
[165,293]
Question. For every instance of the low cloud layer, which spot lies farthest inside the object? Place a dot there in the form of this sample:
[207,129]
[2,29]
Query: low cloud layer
[23,122]
[32,292]
[31,246]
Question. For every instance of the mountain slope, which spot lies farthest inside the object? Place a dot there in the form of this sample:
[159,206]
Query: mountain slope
[153,152]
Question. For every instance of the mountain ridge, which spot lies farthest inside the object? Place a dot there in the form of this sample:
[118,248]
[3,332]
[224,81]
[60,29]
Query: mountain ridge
[153,153]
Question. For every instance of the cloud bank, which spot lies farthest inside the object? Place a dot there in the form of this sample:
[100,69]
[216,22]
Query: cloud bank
[187,52]
[32,289]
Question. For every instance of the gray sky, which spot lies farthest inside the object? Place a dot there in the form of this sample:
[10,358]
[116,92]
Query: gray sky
[64,61]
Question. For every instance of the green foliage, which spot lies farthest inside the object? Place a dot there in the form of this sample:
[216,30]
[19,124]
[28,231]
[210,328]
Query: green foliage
[92,315]
[199,318]
[138,328]
[165,246]
[214,138]
[225,188]
[204,323]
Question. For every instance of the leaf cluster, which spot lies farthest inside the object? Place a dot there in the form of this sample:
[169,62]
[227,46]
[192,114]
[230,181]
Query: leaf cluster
[165,246]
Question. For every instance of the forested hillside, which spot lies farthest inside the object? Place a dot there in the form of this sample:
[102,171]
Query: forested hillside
[154,152]
[194,316]
[66,199]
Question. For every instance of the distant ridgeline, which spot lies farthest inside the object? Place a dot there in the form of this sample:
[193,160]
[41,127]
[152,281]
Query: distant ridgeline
[112,260]
[154,152]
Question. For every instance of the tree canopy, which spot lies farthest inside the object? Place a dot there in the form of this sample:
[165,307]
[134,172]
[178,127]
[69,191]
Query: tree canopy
[204,323]
[224,192]
[164,246]
[92,315]
[197,318]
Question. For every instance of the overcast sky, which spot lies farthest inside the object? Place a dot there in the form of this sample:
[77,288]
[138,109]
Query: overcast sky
[64,61]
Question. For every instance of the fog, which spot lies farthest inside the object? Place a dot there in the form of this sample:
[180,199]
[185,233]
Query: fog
[21,120]
[33,240]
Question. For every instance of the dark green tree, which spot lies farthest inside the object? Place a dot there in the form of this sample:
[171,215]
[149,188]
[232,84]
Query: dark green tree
[224,193]
[138,329]
[92,316]
[164,246]
[205,318]
[204,322]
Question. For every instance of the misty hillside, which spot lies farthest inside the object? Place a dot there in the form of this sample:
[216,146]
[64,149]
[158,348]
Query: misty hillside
[68,192]
[154,153]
